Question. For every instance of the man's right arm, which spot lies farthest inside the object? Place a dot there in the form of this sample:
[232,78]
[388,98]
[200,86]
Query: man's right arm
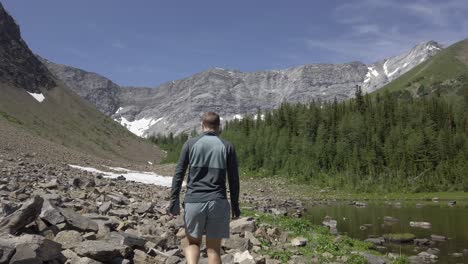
[233,178]
[182,164]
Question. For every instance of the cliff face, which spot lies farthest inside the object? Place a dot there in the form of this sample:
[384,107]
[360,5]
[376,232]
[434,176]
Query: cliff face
[18,66]
[176,106]
[96,89]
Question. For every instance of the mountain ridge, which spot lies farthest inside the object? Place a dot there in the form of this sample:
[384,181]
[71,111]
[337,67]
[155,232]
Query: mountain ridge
[175,106]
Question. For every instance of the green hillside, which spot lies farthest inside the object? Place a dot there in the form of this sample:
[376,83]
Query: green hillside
[446,73]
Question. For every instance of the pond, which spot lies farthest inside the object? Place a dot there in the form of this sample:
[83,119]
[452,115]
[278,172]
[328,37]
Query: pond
[368,221]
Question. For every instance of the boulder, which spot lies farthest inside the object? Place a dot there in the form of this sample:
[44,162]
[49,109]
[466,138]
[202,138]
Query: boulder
[243,257]
[28,212]
[438,238]
[299,241]
[425,225]
[73,258]
[252,238]
[35,249]
[105,207]
[237,242]
[102,250]
[127,239]
[376,240]
[68,238]
[51,214]
[374,259]
[239,226]
[79,222]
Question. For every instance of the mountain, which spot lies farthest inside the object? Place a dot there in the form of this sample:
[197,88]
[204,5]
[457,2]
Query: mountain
[176,106]
[385,71]
[34,102]
[446,73]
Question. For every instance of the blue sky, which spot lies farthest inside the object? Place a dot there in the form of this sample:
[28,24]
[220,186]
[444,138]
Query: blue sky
[148,42]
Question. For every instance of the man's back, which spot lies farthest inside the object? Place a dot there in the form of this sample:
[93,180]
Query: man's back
[208,159]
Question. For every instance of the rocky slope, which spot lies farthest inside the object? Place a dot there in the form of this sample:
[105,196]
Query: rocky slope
[176,106]
[34,102]
[52,213]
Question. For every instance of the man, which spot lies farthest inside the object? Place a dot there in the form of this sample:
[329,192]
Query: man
[206,208]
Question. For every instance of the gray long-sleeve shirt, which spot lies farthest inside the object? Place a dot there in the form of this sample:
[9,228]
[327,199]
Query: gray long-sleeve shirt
[208,159]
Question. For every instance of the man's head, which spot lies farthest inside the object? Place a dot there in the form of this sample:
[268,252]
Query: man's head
[210,122]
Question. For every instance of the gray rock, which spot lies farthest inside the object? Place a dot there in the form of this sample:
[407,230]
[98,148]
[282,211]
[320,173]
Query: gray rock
[68,238]
[105,207]
[28,212]
[299,241]
[119,212]
[243,257]
[376,241]
[237,242]
[374,259]
[73,258]
[438,238]
[51,214]
[79,222]
[241,225]
[127,239]
[35,249]
[102,250]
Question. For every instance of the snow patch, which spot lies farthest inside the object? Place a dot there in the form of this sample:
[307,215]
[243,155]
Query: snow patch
[433,48]
[406,64]
[393,72]
[139,126]
[238,116]
[262,117]
[130,175]
[38,96]
[385,67]
[371,71]
[118,110]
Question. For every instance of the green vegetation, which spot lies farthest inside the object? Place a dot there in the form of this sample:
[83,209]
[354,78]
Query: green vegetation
[385,143]
[10,118]
[410,136]
[319,239]
[399,238]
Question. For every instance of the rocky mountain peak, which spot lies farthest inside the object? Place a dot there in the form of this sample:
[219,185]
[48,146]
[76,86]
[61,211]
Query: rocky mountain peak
[176,106]
[19,66]
[387,70]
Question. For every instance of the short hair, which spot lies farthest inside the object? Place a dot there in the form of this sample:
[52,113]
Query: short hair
[211,120]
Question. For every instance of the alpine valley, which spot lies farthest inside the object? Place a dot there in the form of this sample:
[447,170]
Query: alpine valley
[176,106]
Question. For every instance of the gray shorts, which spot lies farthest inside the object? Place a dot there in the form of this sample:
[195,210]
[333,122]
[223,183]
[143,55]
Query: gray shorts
[207,218]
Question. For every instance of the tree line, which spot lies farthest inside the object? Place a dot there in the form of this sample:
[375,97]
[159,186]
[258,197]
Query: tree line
[385,142]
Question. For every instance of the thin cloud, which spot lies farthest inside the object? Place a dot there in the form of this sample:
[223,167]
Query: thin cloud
[118,44]
[375,29]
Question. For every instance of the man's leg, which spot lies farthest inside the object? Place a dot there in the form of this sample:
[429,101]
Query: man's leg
[213,248]
[192,250]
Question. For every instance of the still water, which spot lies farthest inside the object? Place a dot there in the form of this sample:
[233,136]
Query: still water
[449,221]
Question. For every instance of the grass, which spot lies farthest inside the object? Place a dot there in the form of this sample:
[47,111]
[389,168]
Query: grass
[446,65]
[286,189]
[10,118]
[321,246]
[399,237]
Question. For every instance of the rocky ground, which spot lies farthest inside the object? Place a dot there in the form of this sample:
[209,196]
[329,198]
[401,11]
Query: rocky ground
[52,213]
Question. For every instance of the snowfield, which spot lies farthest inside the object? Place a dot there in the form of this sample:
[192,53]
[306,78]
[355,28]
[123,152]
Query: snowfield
[130,175]
[38,96]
